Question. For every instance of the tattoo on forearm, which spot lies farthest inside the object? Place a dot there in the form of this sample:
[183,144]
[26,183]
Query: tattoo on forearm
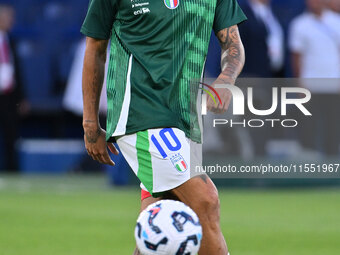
[232,59]
[89,121]
[93,76]
[97,83]
[92,136]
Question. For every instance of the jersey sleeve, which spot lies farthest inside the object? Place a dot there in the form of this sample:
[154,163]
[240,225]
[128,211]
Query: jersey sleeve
[228,13]
[99,19]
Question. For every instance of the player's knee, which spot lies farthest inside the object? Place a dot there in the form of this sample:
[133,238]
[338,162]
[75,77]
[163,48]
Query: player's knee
[209,208]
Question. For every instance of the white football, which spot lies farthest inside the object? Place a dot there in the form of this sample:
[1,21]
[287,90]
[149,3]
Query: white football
[168,227]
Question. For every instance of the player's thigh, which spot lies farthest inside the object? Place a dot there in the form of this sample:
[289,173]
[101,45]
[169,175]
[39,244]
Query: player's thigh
[148,201]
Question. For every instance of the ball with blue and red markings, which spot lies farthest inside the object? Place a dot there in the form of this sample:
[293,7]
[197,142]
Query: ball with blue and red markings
[168,227]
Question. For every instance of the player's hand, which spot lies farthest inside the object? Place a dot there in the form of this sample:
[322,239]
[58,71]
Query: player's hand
[96,145]
[225,96]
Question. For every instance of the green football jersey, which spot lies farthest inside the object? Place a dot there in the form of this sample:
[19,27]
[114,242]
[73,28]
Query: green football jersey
[157,48]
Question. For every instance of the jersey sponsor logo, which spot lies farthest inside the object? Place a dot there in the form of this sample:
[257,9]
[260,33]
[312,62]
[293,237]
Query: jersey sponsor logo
[135,5]
[141,11]
[171,4]
[179,163]
[142,5]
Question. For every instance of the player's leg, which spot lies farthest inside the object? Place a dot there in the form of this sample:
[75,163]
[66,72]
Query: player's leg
[146,200]
[201,195]
[129,147]
[160,158]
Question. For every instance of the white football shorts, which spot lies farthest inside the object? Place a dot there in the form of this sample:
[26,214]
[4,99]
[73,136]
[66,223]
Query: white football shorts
[160,157]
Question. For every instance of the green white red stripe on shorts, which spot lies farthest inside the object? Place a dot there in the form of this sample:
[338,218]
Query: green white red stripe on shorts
[160,158]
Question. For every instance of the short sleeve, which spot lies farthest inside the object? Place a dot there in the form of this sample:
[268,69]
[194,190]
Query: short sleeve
[228,13]
[296,37]
[99,19]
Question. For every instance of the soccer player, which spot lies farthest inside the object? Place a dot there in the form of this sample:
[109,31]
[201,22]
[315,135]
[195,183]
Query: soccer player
[157,48]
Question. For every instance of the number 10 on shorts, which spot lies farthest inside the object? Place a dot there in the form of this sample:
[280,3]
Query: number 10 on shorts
[172,145]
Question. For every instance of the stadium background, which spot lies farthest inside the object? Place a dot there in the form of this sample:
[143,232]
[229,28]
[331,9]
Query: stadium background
[58,201]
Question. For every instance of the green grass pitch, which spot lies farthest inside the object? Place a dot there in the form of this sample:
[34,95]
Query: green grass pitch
[81,216]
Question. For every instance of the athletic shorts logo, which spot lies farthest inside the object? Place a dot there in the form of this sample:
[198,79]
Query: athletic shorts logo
[179,163]
[171,4]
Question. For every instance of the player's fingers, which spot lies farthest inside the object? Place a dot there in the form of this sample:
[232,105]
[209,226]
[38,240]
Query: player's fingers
[211,107]
[87,151]
[96,156]
[86,147]
[225,107]
[226,103]
[215,108]
[90,151]
[209,103]
[219,108]
[113,148]
[105,158]
[222,108]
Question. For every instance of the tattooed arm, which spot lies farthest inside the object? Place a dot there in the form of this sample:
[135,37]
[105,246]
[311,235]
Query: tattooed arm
[232,62]
[93,77]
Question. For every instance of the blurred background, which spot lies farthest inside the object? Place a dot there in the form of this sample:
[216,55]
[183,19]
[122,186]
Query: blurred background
[41,68]
[50,188]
